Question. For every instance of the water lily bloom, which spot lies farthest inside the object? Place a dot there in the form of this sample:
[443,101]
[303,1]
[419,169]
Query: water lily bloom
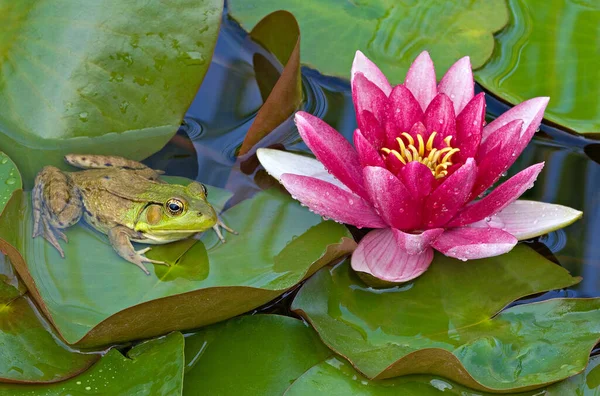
[422,161]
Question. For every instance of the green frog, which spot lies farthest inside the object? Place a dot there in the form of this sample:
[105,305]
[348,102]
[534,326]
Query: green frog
[121,198]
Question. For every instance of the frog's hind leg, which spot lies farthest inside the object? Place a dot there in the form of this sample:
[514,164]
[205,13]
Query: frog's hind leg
[92,161]
[120,239]
[57,204]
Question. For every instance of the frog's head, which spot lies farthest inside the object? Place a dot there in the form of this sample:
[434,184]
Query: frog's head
[181,212]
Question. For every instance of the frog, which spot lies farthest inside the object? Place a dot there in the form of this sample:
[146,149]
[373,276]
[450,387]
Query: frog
[124,199]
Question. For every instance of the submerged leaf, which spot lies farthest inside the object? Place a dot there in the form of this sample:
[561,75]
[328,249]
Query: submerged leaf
[444,322]
[97,77]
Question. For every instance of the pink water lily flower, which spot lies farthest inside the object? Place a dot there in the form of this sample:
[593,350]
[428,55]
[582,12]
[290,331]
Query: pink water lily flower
[421,162]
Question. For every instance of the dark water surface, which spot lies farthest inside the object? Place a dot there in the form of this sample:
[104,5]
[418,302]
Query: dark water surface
[229,98]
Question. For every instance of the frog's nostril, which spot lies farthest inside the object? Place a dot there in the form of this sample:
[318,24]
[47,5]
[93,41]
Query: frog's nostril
[200,214]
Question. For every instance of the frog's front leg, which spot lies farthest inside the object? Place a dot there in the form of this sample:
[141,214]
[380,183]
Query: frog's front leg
[120,239]
[217,228]
[57,204]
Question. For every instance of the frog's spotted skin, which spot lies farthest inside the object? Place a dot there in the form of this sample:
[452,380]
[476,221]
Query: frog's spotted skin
[123,199]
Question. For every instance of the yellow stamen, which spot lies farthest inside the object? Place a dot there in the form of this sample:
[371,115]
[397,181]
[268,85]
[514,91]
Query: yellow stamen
[436,159]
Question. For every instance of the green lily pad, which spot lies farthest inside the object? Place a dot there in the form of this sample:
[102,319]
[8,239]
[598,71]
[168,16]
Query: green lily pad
[93,297]
[250,355]
[546,50]
[336,377]
[446,322]
[10,180]
[391,33]
[104,77]
[152,368]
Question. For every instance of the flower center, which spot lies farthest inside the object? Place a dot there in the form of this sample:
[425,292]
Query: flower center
[437,160]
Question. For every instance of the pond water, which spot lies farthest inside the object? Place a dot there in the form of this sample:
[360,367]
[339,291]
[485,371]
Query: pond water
[225,106]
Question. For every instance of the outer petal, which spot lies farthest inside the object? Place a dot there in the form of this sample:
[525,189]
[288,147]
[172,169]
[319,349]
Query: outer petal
[531,112]
[469,124]
[367,154]
[391,198]
[331,201]
[364,65]
[332,149]
[474,243]
[439,117]
[417,178]
[500,198]
[380,255]
[420,79]
[404,112]
[278,162]
[528,219]
[416,243]
[458,83]
[368,97]
[450,196]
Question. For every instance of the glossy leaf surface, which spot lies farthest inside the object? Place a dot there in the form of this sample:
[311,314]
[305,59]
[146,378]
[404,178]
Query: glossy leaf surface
[94,297]
[548,50]
[389,32]
[250,355]
[443,323]
[336,377]
[152,368]
[10,179]
[103,77]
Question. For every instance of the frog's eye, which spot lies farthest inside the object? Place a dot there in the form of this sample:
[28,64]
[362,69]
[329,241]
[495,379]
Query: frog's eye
[204,190]
[174,206]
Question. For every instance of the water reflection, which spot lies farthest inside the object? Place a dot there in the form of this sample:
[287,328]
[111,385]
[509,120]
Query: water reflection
[230,97]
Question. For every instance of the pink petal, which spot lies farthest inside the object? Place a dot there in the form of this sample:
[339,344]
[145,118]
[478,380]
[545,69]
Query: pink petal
[332,149]
[416,243]
[528,219]
[421,80]
[531,112]
[391,198]
[394,164]
[331,201]
[367,154]
[458,83]
[439,117]
[404,112]
[379,254]
[417,178]
[469,124]
[371,129]
[364,65]
[474,243]
[450,196]
[493,162]
[368,97]
[500,198]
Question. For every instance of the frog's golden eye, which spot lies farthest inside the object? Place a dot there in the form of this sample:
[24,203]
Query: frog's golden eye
[174,206]
[204,190]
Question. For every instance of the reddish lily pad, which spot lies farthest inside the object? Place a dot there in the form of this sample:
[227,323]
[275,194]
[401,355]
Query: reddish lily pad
[99,77]
[446,322]
[151,368]
[390,33]
[93,297]
[250,355]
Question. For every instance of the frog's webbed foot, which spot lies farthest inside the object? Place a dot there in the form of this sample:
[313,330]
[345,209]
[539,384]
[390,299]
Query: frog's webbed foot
[120,239]
[217,228]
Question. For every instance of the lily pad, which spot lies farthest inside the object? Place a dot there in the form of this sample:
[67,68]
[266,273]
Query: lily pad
[391,33]
[546,50]
[10,180]
[446,322]
[93,297]
[152,368]
[250,355]
[104,77]
[336,377]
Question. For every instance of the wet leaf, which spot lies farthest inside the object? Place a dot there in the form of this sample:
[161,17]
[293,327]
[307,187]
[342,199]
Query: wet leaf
[250,355]
[282,92]
[391,33]
[336,377]
[10,179]
[104,77]
[546,51]
[445,322]
[93,297]
[152,368]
